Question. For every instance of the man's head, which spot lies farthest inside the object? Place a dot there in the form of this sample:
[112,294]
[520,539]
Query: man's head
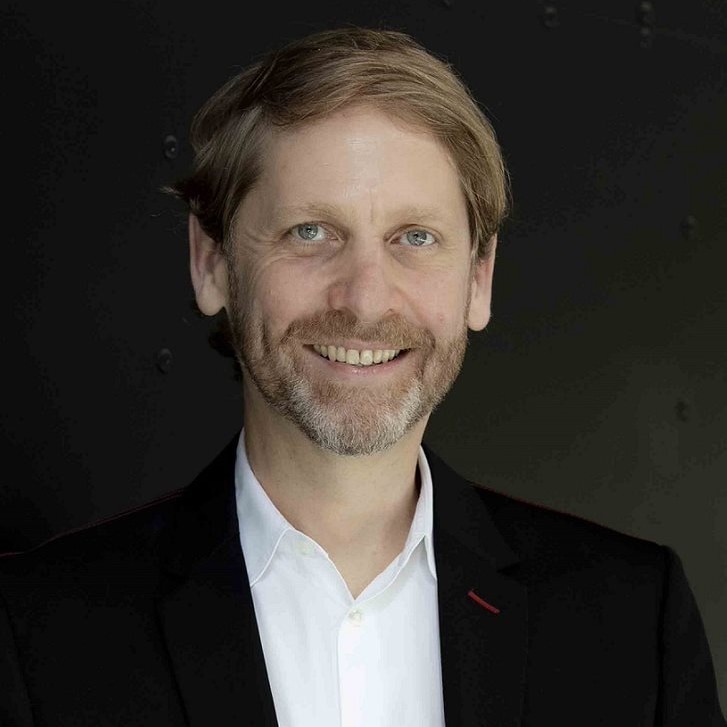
[347,192]
[313,77]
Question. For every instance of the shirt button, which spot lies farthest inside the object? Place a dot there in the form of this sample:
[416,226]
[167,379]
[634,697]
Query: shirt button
[355,617]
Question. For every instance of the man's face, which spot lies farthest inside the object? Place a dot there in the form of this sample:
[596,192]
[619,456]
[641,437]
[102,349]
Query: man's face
[354,240]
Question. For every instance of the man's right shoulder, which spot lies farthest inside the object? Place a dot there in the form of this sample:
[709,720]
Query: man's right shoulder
[123,556]
[126,540]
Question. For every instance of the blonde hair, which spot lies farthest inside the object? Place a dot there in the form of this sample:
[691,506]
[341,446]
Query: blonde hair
[313,77]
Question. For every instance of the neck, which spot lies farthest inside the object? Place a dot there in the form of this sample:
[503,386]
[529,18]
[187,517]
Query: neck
[359,509]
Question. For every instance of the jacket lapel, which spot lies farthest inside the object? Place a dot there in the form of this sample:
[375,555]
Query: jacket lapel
[206,609]
[208,617]
[482,611]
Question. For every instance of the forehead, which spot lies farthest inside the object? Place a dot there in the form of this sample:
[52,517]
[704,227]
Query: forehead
[359,157]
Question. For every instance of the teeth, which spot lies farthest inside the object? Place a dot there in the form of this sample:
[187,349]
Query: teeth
[354,357]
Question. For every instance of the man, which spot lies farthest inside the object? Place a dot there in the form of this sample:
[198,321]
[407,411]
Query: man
[325,569]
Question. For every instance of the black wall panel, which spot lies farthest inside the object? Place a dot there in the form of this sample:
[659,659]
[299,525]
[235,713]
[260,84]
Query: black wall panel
[600,385]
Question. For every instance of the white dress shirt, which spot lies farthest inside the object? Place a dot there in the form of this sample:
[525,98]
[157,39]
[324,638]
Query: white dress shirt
[334,660]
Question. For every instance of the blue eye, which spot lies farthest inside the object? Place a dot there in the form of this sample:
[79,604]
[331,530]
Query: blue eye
[308,231]
[417,238]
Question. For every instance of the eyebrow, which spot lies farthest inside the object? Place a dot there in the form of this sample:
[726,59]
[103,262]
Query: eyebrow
[330,210]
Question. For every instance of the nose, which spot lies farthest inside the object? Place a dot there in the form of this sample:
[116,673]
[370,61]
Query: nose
[365,281]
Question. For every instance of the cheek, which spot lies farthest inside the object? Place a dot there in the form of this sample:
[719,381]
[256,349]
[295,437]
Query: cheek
[282,296]
[442,305]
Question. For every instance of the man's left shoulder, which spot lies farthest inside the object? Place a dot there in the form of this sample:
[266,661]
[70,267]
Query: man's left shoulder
[563,542]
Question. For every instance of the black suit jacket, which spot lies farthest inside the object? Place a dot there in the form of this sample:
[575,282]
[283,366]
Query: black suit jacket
[545,619]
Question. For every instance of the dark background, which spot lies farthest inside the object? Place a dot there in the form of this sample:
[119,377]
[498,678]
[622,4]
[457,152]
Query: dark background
[599,386]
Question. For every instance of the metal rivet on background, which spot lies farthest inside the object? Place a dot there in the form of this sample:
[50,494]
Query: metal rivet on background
[164,360]
[645,13]
[689,227]
[645,18]
[549,17]
[171,147]
[682,410]
[645,36]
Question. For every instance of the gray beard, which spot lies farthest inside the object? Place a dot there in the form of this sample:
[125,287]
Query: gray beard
[332,415]
[366,430]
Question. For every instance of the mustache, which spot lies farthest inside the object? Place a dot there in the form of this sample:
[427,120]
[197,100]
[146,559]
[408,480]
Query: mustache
[340,324]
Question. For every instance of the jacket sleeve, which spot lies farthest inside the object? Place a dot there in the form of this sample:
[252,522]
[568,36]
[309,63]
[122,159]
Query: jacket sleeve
[688,692]
[14,703]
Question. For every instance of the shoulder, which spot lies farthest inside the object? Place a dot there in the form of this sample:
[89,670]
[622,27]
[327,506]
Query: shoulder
[138,539]
[533,532]
[553,542]
[556,554]
[127,544]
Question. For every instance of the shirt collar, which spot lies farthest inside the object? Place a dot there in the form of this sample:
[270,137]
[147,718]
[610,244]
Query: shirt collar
[262,525]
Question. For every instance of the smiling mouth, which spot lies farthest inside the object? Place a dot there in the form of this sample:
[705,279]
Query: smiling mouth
[356,357]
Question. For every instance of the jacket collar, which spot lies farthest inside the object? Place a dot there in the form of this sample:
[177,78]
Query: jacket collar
[482,608]
[209,624]
[206,610]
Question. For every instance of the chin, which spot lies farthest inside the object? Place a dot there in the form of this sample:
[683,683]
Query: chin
[354,428]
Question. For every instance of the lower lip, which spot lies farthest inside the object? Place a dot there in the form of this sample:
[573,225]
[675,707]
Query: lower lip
[345,369]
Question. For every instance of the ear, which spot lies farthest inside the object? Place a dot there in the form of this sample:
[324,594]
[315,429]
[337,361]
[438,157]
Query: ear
[208,268]
[481,294]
